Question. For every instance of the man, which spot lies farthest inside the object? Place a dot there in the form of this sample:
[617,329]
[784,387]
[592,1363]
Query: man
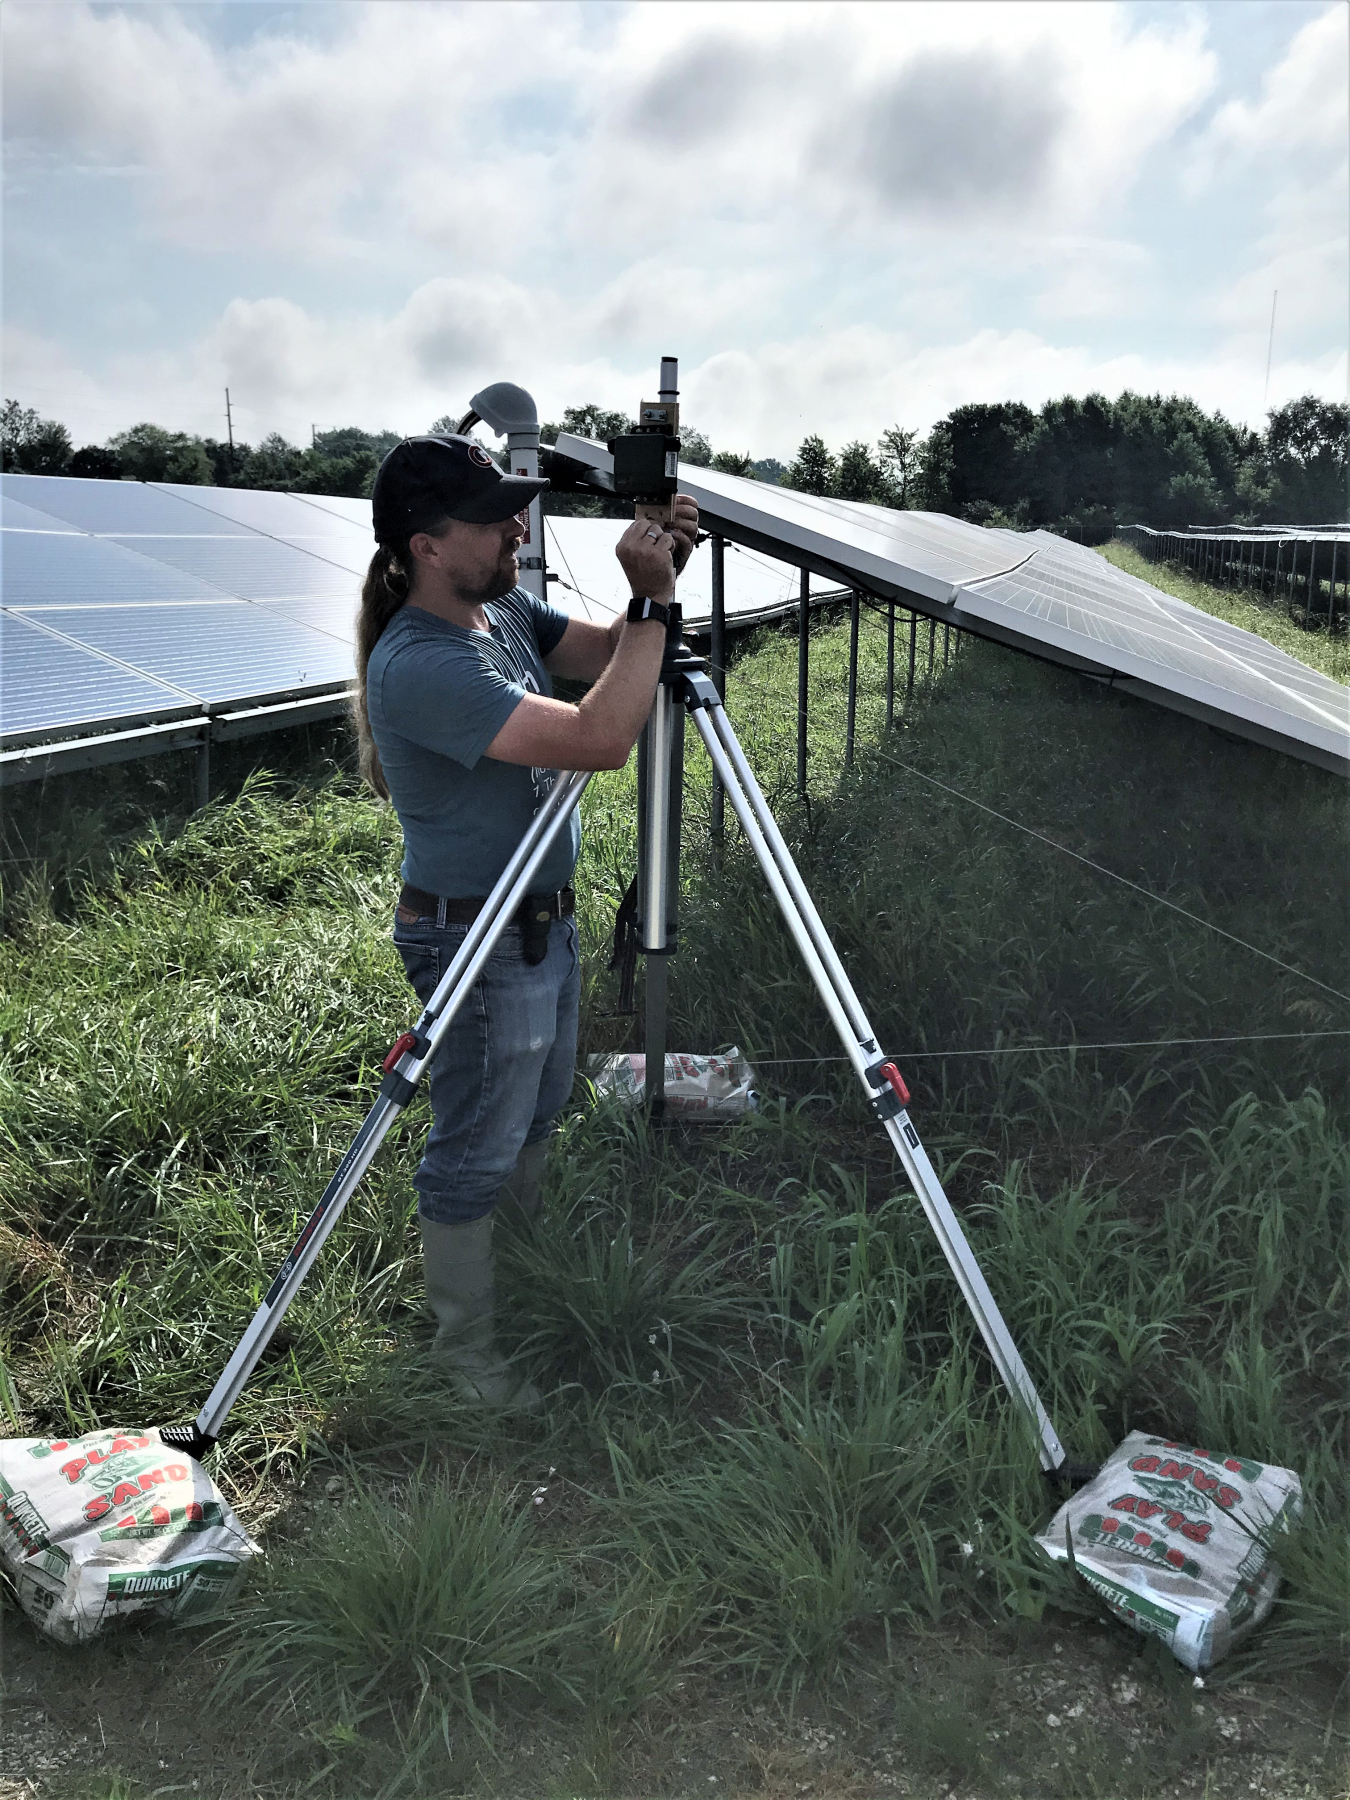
[459,728]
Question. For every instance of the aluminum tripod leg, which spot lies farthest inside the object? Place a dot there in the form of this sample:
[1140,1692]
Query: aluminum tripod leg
[856,1035]
[404,1067]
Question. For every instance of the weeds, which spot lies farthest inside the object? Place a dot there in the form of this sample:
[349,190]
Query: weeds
[773,1444]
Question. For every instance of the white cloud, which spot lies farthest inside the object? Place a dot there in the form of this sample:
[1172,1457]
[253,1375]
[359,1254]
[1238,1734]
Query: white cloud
[287,369]
[840,215]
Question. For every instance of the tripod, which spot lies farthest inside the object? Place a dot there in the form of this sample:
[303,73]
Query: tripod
[684,690]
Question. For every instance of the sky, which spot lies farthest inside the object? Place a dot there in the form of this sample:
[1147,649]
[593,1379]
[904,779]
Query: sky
[839,217]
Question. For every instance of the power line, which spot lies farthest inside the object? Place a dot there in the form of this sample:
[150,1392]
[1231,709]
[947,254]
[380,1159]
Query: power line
[1255,1037]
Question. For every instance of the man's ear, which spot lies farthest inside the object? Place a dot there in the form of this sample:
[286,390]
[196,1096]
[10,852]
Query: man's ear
[425,548]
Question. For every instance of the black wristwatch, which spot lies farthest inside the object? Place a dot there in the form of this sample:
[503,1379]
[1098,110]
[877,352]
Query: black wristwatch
[641,608]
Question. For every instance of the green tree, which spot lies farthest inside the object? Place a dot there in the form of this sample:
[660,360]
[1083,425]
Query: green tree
[695,448]
[814,470]
[589,421]
[860,477]
[1305,462]
[30,444]
[274,463]
[149,453]
[731,462]
[94,462]
[769,469]
[898,457]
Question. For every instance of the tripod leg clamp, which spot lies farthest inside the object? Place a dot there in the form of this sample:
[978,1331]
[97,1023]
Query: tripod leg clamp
[894,1095]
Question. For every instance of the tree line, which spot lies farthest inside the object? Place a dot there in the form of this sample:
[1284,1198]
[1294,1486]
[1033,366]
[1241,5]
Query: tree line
[1078,466]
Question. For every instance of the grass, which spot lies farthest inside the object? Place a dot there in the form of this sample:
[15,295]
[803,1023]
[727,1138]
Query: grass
[774,1482]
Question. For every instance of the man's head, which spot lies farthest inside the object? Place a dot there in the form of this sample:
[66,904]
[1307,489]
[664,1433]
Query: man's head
[444,506]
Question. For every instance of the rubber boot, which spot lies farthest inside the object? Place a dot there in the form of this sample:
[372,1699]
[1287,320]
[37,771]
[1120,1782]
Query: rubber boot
[458,1264]
[518,1197]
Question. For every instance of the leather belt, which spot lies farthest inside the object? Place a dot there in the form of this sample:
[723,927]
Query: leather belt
[535,907]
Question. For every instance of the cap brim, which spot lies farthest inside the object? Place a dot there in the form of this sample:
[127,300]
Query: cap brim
[512,494]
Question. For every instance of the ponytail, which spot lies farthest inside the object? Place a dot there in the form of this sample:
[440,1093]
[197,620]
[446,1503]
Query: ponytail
[383,593]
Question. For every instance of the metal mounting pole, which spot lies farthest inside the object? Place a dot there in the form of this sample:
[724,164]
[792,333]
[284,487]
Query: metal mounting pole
[913,651]
[803,673]
[851,722]
[202,772]
[890,665]
[659,823]
[718,671]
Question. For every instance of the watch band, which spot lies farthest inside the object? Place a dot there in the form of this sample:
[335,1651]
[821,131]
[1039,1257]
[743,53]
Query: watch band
[641,608]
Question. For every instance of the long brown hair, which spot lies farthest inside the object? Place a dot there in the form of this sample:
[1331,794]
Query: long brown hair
[384,591]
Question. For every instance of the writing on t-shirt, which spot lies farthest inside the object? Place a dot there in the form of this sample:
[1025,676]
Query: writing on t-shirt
[521,673]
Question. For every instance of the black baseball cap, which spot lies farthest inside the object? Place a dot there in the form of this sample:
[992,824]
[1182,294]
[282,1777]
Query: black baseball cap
[426,479]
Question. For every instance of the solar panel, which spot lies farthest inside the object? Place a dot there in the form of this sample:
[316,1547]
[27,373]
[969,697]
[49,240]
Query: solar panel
[114,507]
[286,516]
[15,516]
[217,653]
[337,618]
[248,568]
[48,683]
[1041,594]
[45,570]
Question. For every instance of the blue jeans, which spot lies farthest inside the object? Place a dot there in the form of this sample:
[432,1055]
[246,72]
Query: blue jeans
[502,1072]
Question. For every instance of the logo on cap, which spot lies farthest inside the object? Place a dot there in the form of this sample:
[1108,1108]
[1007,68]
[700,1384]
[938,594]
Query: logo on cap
[480,456]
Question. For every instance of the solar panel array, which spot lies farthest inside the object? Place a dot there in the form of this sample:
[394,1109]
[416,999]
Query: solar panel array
[1041,594]
[127,603]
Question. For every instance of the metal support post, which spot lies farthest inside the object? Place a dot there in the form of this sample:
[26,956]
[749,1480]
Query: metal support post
[913,651]
[890,665]
[1331,591]
[932,648]
[803,675]
[946,645]
[718,670]
[851,717]
[653,873]
[202,771]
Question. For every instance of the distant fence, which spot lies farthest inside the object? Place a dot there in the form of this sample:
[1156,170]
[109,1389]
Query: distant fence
[1303,567]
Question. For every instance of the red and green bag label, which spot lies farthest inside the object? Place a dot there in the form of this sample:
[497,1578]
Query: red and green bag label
[111,1524]
[1177,1539]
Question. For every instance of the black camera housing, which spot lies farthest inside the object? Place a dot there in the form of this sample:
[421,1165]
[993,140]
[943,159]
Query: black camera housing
[646,466]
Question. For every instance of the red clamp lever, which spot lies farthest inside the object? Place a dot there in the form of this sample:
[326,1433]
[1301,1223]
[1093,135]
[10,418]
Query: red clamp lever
[406,1043]
[892,1075]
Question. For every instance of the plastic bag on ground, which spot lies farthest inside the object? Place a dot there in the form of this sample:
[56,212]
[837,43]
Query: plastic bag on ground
[1177,1541]
[699,1087]
[112,1524]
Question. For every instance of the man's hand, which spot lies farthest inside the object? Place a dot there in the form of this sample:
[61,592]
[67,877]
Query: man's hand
[645,555]
[684,530]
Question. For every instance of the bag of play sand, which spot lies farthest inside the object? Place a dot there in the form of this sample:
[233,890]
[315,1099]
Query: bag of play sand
[699,1087]
[1177,1541]
[111,1524]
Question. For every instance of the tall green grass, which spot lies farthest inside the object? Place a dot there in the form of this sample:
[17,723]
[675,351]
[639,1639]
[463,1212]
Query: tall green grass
[772,1442]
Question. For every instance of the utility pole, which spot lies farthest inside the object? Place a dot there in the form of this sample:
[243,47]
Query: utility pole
[229,428]
[1270,349]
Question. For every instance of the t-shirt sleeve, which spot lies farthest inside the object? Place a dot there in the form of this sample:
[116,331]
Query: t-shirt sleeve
[549,625]
[445,698]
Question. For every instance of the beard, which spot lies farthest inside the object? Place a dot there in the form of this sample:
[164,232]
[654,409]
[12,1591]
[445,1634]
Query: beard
[496,585]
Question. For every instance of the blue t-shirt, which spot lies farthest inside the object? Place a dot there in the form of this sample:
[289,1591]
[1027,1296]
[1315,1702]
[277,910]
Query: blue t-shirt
[437,694]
